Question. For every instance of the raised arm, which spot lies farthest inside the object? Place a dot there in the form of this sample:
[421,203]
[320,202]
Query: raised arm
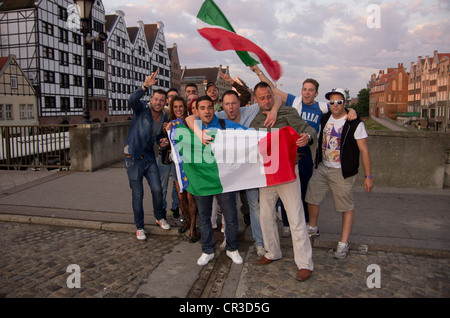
[263,78]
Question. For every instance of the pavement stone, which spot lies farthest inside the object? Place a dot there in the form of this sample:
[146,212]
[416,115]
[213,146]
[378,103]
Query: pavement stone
[50,220]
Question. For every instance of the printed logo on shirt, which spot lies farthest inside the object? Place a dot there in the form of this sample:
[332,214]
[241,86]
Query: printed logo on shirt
[331,142]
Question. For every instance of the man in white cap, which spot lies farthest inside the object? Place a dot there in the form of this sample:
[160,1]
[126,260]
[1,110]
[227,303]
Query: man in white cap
[340,144]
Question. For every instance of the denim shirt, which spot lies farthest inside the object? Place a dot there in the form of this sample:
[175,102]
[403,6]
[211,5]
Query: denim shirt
[140,137]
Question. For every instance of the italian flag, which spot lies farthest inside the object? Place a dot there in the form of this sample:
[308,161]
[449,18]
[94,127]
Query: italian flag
[237,159]
[214,26]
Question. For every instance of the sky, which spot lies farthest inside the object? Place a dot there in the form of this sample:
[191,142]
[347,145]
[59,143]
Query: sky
[339,43]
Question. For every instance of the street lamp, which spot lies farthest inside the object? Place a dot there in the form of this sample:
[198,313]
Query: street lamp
[85,10]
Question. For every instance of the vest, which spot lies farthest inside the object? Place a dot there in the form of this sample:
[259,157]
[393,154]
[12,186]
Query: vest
[349,147]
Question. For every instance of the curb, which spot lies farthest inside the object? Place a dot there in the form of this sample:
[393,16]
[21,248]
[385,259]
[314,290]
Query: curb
[156,230]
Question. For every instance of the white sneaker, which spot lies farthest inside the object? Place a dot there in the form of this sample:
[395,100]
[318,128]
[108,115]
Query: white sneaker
[223,245]
[341,250]
[163,224]
[260,251]
[235,257]
[140,235]
[286,231]
[204,259]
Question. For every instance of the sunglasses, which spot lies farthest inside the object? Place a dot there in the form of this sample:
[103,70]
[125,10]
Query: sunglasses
[339,102]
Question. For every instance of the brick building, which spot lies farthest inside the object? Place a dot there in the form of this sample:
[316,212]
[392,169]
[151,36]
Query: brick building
[428,91]
[389,92]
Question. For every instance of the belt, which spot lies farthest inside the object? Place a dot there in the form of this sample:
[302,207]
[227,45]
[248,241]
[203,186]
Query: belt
[127,155]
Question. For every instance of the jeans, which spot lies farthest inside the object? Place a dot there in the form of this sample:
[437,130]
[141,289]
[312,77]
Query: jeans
[137,169]
[253,203]
[164,173]
[227,203]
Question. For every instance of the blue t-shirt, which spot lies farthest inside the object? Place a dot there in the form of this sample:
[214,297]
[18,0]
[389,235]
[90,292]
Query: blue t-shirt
[248,113]
[309,113]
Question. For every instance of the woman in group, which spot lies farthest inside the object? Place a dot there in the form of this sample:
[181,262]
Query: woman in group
[178,109]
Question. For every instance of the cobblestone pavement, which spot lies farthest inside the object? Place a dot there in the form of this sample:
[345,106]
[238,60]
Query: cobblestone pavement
[34,260]
[401,275]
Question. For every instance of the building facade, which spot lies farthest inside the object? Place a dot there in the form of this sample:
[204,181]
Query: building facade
[428,91]
[18,102]
[175,68]
[49,48]
[388,92]
[201,77]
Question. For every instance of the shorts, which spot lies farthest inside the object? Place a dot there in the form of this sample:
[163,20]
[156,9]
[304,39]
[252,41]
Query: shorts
[325,179]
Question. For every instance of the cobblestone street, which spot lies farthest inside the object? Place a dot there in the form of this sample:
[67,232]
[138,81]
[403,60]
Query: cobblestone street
[34,260]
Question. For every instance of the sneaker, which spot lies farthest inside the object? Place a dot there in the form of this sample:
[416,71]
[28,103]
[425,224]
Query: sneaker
[260,251]
[235,257]
[313,231]
[140,235]
[163,224]
[223,246]
[286,231]
[341,250]
[204,259]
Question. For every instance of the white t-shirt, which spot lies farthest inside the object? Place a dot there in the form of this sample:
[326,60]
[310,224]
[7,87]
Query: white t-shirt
[331,151]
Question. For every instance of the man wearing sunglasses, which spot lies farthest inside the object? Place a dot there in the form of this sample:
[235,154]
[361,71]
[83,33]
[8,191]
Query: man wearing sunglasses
[341,142]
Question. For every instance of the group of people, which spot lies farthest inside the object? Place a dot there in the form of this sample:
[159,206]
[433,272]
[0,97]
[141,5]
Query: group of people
[337,132]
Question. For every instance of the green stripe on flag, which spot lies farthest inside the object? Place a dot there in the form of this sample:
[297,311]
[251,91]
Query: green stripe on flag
[211,14]
[200,167]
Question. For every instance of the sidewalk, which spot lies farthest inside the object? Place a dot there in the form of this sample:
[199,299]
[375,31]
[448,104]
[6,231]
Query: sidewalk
[391,221]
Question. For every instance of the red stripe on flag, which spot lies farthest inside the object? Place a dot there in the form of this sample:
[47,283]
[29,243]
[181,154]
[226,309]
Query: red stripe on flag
[279,152]
[223,40]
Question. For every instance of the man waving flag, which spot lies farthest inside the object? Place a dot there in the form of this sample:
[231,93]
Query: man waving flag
[214,26]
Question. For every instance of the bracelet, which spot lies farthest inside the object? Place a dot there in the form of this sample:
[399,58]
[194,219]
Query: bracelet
[369,176]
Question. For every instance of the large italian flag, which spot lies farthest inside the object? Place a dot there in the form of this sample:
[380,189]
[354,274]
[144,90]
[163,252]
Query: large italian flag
[237,159]
[214,26]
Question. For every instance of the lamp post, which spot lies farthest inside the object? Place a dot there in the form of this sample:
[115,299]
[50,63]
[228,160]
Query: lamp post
[85,8]
[85,11]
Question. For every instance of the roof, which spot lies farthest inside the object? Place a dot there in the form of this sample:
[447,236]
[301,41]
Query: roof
[210,74]
[16,5]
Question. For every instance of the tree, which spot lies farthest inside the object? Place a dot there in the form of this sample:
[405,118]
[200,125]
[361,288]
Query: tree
[362,106]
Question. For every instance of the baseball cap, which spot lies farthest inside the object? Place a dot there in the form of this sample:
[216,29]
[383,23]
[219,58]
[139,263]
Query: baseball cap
[210,84]
[335,91]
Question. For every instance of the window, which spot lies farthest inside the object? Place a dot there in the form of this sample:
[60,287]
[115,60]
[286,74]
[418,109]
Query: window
[50,102]
[65,104]
[76,38]
[99,83]
[30,110]
[62,13]
[64,80]
[99,65]
[77,80]
[78,102]
[9,112]
[48,53]
[63,35]
[22,111]
[76,59]
[63,58]
[47,28]
[2,117]
[13,82]
[49,77]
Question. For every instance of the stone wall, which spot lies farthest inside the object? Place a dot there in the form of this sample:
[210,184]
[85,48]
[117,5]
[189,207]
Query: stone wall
[399,159]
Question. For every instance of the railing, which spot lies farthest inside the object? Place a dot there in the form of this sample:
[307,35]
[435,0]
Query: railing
[35,146]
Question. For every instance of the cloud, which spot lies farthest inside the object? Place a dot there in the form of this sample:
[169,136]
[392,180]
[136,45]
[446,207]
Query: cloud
[326,39]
